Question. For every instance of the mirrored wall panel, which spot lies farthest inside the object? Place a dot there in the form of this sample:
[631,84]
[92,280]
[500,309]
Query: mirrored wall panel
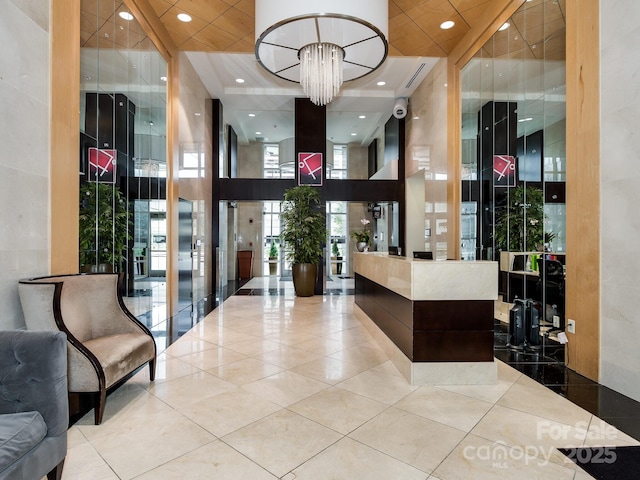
[513,158]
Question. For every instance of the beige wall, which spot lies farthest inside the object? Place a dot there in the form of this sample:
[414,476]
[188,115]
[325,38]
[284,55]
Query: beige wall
[426,149]
[24,156]
[250,162]
[358,162]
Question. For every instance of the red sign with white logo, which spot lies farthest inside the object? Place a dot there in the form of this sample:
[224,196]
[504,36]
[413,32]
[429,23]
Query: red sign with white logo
[504,170]
[102,165]
[309,168]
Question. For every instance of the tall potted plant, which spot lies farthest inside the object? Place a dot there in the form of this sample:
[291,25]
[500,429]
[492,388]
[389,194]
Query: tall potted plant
[304,233]
[103,228]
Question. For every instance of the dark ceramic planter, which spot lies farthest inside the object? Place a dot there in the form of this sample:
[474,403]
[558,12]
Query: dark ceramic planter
[304,278]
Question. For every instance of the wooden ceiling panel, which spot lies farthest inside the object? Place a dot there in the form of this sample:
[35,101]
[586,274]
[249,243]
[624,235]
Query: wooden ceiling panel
[235,22]
[248,7]
[405,5]
[394,9]
[217,38]
[188,29]
[246,44]
[473,15]
[227,25]
[161,6]
[407,37]
[463,6]
[207,10]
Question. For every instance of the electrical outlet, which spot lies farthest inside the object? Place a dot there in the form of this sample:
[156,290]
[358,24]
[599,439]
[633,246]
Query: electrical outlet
[556,321]
[571,326]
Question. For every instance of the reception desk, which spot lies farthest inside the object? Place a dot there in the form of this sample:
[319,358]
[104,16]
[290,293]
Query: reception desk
[435,319]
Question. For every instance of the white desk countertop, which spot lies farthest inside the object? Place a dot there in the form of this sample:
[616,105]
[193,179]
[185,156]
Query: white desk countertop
[418,279]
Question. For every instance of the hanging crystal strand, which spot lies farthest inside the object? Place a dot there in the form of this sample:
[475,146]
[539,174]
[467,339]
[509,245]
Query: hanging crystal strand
[321,73]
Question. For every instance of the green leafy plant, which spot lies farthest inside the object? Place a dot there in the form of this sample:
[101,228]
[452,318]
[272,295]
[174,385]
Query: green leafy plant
[335,251]
[363,235]
[520,227]
[303,225]
[273,250]
[104,225]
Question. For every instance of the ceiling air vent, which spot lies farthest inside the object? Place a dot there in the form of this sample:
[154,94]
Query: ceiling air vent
[411,80]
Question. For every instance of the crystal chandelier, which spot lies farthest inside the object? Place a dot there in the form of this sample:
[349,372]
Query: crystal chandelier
[321,43]
[321,71]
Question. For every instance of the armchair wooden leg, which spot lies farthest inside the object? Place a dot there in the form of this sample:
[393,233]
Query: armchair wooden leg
[56,473]
[100,401]
[152,369]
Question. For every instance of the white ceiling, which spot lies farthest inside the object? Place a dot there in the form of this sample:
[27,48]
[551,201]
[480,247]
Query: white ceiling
[271,99]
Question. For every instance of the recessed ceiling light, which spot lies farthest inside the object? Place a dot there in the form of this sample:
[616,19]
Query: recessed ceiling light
[528,119]
[164,79]
[354,134]
[197,114]
[380,84]
[447,25]
[252,114]
[125,16]
[239,80]
[258,133]
[183,17]
[362,116]
[416,118]
[504,27]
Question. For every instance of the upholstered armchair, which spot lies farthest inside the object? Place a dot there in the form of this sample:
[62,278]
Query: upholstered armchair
[106,343]
[34,409]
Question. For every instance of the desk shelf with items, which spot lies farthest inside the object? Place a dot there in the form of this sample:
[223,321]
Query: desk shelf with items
[537,276]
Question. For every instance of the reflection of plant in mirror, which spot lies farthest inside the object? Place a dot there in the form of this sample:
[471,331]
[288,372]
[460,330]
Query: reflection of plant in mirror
[521,227]
[103,225]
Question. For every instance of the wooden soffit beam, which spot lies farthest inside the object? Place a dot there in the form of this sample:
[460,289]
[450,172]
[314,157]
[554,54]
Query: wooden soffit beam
[151,24]
[496,14]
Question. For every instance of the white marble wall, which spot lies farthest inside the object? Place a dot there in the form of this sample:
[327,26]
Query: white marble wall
[426,127]
[194,133]
[24,156]
[620,196]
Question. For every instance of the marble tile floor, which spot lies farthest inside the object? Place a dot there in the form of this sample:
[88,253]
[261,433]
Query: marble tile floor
[279,387]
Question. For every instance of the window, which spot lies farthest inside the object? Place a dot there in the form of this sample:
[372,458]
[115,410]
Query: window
[339,169]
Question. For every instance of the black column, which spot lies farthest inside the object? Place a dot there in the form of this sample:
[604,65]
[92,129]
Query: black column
[311,136]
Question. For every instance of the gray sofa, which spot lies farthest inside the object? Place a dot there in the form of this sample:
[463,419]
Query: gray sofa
[34,410]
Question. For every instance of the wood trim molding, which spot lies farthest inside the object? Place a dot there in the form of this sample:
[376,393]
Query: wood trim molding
[173,191]
[454,159]
[583,186]
[65,135]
